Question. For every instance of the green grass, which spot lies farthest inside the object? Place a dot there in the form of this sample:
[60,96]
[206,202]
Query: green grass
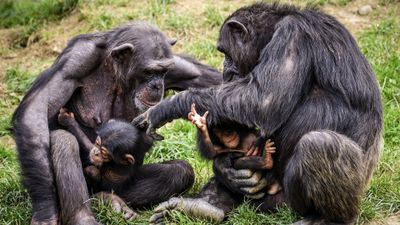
[380,45]
[197,31]
[29,16]
[25,12]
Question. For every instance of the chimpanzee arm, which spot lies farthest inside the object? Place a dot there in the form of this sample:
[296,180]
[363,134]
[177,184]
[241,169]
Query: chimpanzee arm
[41,104]
[265,98]
[188,73]
[83,140]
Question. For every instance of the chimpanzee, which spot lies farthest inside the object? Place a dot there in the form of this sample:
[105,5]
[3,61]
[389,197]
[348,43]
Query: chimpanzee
[112,74]
[300,79]
[117,163]
[239,139]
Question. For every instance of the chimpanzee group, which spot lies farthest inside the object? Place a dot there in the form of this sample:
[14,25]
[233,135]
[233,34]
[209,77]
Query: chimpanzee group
[294,76]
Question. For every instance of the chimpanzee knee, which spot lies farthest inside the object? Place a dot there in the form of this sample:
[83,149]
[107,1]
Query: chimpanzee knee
[182,174]
[61,140]
[324,178]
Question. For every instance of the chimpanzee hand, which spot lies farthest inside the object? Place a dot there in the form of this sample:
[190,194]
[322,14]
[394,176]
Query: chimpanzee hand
[66,118]
[196,207]
[243,181]
[150,120]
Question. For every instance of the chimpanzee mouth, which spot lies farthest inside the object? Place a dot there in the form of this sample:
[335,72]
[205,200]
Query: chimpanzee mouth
[147,103]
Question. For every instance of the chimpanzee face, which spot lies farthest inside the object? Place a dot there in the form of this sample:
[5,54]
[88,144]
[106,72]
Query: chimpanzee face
[145,64]
[241,46]
[100,154]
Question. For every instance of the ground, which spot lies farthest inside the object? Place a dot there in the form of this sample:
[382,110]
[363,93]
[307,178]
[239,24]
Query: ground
[30,42]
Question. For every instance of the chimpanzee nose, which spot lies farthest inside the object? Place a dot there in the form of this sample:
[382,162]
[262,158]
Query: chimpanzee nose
[97,120]
[157,86]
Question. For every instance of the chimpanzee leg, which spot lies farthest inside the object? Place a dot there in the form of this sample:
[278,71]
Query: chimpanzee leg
[212,204]
[324,179]
[155,183]
[219,196]
[71,186]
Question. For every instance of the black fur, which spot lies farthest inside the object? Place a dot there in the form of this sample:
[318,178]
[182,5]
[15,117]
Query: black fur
[302,80]
[112,74]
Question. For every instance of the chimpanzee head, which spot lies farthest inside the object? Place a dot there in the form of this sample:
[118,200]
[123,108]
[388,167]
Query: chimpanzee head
[244,34]
[141,55]
[120,143]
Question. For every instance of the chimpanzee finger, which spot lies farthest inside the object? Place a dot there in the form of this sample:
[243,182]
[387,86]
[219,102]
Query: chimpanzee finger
[116,206]
[204,117]
[250,151]
[252,190]
[256,196]
[240,174]
[190,116]
[256,152]
[271,150]
[130,215]
[249,182]
[167,205]
[275,188]
[153,134]
[193,108]
[140,121]
[158,218]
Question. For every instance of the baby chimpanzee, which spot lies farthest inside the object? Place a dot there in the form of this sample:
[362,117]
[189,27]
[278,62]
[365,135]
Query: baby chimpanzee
[239,140]
[118,151]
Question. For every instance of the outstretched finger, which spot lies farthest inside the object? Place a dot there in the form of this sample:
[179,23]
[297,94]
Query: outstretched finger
[190,116]
[204,117]
[193,108]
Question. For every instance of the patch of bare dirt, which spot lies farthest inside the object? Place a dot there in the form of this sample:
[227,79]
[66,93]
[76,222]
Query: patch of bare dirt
[350,17]
[392,220]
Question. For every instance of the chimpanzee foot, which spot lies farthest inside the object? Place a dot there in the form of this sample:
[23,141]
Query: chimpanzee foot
[118,205]
[274,188]
[195,207]
[83,217]
[51,221]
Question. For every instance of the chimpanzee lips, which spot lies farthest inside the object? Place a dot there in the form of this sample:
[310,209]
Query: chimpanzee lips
[148,104]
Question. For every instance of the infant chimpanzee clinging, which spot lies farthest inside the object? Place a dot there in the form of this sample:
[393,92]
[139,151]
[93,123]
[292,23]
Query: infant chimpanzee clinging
[243,141]
[118,151]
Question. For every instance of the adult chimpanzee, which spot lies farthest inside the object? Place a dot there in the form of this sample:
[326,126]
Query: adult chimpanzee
[113,74]
[300,78]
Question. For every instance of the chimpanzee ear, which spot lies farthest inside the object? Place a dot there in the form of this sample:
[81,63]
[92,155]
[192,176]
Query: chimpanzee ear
[237,26]
[129,159]
[172,41]
[122,52]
